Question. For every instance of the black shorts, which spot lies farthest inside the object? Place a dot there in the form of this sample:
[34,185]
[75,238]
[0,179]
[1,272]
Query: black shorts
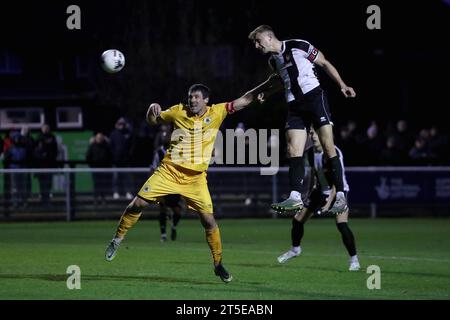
[311,109]
[172,200]
[317,200]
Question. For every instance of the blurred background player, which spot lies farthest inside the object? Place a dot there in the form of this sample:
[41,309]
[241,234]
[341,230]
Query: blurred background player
[171,206]
[321,195]
[294,62]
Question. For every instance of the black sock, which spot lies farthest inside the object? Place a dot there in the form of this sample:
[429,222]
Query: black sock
[296,233]
[162,221]
[347,238]
[336,173]
[296,173]
[175,219]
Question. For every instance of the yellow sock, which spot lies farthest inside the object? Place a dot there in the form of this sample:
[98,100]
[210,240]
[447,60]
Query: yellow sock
[215,244]
[127,220]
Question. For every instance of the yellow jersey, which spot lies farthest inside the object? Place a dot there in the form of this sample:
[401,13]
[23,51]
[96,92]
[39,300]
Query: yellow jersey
[193,137]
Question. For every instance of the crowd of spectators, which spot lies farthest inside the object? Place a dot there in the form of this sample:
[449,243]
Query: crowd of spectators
[377,144]
[20,151]
[394,144]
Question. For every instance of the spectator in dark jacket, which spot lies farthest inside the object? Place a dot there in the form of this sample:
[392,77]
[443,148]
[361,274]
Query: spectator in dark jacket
[373,144]
[420,153]
[29,144]
[439,146]
[45,157]
[7,142]
[17,156]
[99,156]
[391,154]
[121,140]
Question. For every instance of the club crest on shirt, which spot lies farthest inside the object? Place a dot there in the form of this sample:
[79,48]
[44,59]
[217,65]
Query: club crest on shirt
[207,120]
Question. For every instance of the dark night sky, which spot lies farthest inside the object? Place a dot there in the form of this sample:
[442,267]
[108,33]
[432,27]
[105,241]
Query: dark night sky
[398,71]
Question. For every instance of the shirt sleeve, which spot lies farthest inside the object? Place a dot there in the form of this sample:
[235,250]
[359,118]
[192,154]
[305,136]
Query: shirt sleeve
[309,51]
[168,115]
[223,109]
[313,52]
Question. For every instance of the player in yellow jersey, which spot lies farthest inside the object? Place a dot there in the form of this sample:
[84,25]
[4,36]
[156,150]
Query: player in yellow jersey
[183,169]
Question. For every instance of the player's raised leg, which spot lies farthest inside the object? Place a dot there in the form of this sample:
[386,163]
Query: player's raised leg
[296,139]
[129,217]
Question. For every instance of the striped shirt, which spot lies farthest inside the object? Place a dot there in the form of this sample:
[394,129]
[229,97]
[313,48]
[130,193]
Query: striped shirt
[295,65]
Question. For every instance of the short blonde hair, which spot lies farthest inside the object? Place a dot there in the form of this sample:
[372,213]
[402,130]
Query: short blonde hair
[262,28]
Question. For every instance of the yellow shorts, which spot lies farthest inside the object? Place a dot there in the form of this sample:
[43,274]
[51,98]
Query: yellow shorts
[171,179]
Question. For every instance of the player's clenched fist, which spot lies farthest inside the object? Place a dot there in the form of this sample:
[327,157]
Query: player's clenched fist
[154,109]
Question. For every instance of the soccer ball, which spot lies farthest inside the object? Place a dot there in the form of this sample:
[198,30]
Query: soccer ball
[113,61]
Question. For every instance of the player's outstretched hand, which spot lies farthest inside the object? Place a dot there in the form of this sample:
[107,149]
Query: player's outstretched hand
[261,97]
[155,109]
[348,92]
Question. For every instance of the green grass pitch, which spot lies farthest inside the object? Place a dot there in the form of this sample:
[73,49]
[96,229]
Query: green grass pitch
[413,255]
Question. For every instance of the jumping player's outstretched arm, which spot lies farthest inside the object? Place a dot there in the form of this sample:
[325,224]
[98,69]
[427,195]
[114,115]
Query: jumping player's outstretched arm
[153,113]
[241,103]
[322,62]
[272,83]
[257,92]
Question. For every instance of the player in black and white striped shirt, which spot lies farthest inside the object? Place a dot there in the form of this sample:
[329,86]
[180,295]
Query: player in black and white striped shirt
[294,62]
[320,195]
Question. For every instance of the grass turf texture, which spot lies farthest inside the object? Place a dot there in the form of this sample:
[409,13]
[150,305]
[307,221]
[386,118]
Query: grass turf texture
[412,253]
